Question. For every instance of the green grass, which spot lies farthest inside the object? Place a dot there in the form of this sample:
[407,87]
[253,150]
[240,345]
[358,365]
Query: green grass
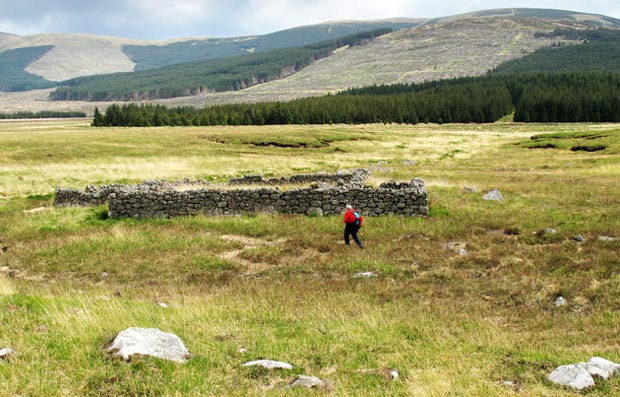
[281,287]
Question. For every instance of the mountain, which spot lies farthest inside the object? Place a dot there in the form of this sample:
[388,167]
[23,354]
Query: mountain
[454,46]
[76,55]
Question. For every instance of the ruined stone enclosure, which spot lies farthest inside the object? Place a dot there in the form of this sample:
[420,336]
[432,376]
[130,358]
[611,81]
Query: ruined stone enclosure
[324,194]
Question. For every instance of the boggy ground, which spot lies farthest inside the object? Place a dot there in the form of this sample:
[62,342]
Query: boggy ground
[281,286]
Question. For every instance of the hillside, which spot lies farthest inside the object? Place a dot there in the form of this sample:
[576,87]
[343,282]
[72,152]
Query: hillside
[76,55]
[462,45]
[153,56]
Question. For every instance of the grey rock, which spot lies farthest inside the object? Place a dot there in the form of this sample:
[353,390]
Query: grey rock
[560,301]
[494,195]
[4,352]
[308,381]
[598,366]
[364,275]
[268,364]
[394,375]
[550,231]
[579,238]
[573,376]
[607,238]
[148,342]
[409,162]
[314,211]
[470,189]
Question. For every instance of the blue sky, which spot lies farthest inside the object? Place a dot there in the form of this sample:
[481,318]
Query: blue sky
[161,19]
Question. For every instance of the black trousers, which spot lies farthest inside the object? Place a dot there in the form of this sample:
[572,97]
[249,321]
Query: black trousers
[351,230]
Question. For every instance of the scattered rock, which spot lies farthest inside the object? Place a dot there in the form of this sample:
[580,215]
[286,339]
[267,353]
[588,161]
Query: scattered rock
[4,352]
[394,374]
[545,232]
[579,238]
[364,275]
[458,247]
[162,304]
[560,301]
[494,195]
[607,238]
[409,162]
[573,375]
[104,275]
[268,364]
[598,366]
[243,350]
[148,342]
[308,381]
[580,376]
[470,189]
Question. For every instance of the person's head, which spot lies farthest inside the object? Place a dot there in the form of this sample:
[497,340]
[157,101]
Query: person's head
[348,207]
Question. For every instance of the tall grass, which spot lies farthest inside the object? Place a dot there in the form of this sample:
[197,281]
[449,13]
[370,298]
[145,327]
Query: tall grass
[281,286]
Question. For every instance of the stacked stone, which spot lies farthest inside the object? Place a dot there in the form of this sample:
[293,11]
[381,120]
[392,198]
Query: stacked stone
[408,199]
[353,179]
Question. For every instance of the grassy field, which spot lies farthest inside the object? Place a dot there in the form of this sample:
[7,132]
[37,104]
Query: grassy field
[281,286]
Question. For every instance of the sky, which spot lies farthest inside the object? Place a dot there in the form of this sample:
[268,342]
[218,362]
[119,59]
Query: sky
[164,19]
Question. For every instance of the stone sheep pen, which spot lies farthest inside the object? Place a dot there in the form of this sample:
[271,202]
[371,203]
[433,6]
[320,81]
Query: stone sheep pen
[327,194]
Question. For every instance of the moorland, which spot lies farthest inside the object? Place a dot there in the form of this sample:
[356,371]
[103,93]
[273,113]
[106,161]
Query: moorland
[471,322]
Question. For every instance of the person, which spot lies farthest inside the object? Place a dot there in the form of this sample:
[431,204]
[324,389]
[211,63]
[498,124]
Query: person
[353,221]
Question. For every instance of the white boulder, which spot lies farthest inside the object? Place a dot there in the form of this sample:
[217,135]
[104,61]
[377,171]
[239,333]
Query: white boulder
[268,364]
[148,342]
[494,195]
[598,366]
[574,376]
[4,352]
[364,275]
[308,381]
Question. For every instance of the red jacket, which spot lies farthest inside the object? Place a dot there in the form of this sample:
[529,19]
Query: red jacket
[350,218]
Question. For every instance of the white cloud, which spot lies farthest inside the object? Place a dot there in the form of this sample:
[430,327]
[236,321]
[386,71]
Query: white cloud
[173,18]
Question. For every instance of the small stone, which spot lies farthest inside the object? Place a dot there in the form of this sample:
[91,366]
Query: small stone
[394,374]
[560,301]
[494,195]
[509,383]
[470,189]
[268,364]
[308,381]
[162,304]
[4,352]
[104,275]
[607,238]
[579,238]
[243,350]
[550,231]
[409,162]
[364,275]
[574,376]
[463,252]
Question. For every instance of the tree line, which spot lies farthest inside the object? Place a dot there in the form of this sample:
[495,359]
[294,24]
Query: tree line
[559,97]
[45,114]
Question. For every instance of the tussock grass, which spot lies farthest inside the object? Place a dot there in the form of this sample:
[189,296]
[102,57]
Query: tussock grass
[280,286]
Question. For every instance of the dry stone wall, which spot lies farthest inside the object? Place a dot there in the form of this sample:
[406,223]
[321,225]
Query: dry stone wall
[161,199]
